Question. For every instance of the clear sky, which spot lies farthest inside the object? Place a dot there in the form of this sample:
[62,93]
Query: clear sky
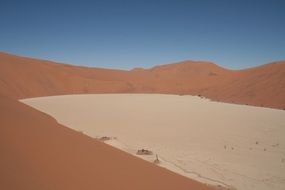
[141,33]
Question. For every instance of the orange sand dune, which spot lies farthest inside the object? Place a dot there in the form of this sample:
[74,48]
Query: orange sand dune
[260,86]
[38,153]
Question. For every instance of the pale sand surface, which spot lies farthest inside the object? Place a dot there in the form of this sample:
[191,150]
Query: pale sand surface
[217,143]
[37,153]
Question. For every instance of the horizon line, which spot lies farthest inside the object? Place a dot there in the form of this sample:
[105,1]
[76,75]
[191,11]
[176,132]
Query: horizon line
[133,68]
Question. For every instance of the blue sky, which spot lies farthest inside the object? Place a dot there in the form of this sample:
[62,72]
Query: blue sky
[141,33]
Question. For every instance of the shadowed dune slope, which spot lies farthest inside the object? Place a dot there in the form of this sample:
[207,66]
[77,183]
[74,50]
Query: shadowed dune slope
[38,153]
[260,86]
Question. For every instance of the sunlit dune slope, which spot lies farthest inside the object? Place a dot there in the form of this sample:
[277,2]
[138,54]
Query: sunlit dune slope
[260,86]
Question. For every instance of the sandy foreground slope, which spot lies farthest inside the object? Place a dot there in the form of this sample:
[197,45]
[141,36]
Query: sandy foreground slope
[37,153]
[217,143]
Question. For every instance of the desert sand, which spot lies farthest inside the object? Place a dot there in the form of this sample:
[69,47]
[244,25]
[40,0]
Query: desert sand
[235,146]
[22,77]
[38,153]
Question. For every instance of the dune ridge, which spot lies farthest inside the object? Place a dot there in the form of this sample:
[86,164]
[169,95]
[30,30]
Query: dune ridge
[264,86]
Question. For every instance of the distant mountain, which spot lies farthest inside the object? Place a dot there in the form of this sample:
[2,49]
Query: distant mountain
[264,85]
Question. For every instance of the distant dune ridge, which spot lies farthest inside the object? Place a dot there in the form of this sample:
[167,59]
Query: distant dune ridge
[263,86]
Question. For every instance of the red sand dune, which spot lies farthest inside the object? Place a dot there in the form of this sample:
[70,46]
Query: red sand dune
[38,153]
[260,86]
